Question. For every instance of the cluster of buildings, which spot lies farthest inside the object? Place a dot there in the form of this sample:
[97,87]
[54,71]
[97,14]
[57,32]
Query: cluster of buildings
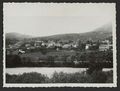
[103,45]
[106,45]
[50,44]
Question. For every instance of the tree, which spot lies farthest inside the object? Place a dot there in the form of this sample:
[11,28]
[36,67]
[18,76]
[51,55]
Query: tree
[89,41]
[81,46]
[93,62]
[98,77]
[51,60]
[13,61]
[43,50]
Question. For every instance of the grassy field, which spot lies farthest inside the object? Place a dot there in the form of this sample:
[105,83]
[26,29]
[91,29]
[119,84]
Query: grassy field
[52,53]
[61,58]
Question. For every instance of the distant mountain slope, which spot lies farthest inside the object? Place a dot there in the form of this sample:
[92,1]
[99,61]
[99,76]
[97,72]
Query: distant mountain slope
[17,36]
[97,34]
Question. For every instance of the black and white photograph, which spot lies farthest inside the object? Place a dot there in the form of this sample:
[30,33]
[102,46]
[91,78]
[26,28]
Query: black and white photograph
[59,45]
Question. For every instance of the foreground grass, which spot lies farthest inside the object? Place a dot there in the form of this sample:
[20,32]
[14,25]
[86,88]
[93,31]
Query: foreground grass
[33,77]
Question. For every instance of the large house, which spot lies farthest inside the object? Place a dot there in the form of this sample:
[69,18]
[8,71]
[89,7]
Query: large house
[87,46]
[91,47]
[106,45]
[67,46]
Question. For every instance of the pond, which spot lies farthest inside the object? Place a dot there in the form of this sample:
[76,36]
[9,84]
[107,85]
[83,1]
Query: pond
[47,70]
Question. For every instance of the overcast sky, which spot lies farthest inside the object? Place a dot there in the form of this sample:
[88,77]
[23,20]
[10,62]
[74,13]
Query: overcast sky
[44,19]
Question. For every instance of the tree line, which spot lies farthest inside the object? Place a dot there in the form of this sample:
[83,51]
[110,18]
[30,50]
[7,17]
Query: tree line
[93,60]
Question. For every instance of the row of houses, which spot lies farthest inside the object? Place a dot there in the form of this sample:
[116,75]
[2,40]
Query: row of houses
[50,44]
[103,46]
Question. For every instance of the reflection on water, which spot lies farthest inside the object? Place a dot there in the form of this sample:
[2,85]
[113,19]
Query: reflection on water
[47,71]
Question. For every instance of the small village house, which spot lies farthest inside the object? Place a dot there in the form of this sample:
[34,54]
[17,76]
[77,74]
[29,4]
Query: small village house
[106,45]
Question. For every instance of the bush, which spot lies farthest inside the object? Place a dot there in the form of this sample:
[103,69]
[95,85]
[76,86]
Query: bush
[70,78]
[11,78]
[33,77]
[98,77]
[13,61]
[109,75]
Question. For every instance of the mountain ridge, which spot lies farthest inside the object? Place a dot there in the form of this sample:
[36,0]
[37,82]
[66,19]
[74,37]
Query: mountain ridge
[18,36]
[97,34]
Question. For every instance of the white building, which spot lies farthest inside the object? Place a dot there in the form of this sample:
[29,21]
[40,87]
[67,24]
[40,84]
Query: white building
[21,51]
[27,45]
[66,46]
[105,47]
[87,46]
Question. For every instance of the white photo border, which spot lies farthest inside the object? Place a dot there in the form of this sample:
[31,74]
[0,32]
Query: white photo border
[114,84]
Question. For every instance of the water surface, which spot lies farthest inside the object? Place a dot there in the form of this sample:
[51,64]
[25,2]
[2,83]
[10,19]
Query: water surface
[47,70]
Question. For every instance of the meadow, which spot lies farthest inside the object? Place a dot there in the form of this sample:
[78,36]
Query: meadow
[61,58]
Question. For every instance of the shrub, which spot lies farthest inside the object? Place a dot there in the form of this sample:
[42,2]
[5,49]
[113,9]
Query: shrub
[11,78]
[13,60]
[98,77]
[109,75]
[32,77]
[70,78]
